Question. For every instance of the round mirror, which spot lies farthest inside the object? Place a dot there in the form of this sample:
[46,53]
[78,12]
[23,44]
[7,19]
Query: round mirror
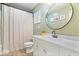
[59,15]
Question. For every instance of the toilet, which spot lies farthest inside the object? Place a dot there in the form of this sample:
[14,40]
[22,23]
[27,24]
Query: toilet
[28,47]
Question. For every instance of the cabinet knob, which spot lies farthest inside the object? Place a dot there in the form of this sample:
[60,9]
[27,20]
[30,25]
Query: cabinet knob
[44,51]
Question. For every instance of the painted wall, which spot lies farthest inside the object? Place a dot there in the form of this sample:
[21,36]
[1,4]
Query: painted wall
[71,29]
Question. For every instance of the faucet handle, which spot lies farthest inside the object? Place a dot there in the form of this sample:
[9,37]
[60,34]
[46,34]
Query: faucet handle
[54,34]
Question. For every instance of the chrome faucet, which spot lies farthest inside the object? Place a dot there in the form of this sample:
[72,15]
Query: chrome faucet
[54,34]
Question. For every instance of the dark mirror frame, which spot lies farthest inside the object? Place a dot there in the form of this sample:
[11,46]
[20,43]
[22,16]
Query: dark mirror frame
[66,23]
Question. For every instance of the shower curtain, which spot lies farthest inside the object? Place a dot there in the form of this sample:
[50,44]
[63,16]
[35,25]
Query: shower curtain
[17,28]
[0,31]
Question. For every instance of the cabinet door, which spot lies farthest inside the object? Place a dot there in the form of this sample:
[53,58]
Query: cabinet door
[47,48]
[38,48]
[68,52]
[35,48]
[41,48]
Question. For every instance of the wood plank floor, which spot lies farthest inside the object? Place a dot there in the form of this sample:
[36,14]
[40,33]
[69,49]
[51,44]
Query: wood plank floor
[18,53]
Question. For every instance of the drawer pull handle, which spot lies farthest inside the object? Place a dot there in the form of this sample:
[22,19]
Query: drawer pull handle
[44,51]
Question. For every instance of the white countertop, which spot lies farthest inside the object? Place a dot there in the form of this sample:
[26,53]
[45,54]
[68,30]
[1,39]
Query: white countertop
[67,43]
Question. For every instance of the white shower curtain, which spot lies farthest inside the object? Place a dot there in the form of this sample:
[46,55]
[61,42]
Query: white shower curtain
[17,28]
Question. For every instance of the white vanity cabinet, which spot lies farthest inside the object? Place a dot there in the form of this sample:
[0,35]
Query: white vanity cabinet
[45,48]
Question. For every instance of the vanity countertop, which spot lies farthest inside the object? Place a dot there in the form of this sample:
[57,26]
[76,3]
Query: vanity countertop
[67,43]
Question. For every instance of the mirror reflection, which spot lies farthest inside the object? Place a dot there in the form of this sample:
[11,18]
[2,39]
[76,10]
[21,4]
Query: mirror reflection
[59,15]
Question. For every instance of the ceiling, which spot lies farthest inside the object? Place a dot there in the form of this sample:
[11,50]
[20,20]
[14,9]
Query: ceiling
[23,6]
